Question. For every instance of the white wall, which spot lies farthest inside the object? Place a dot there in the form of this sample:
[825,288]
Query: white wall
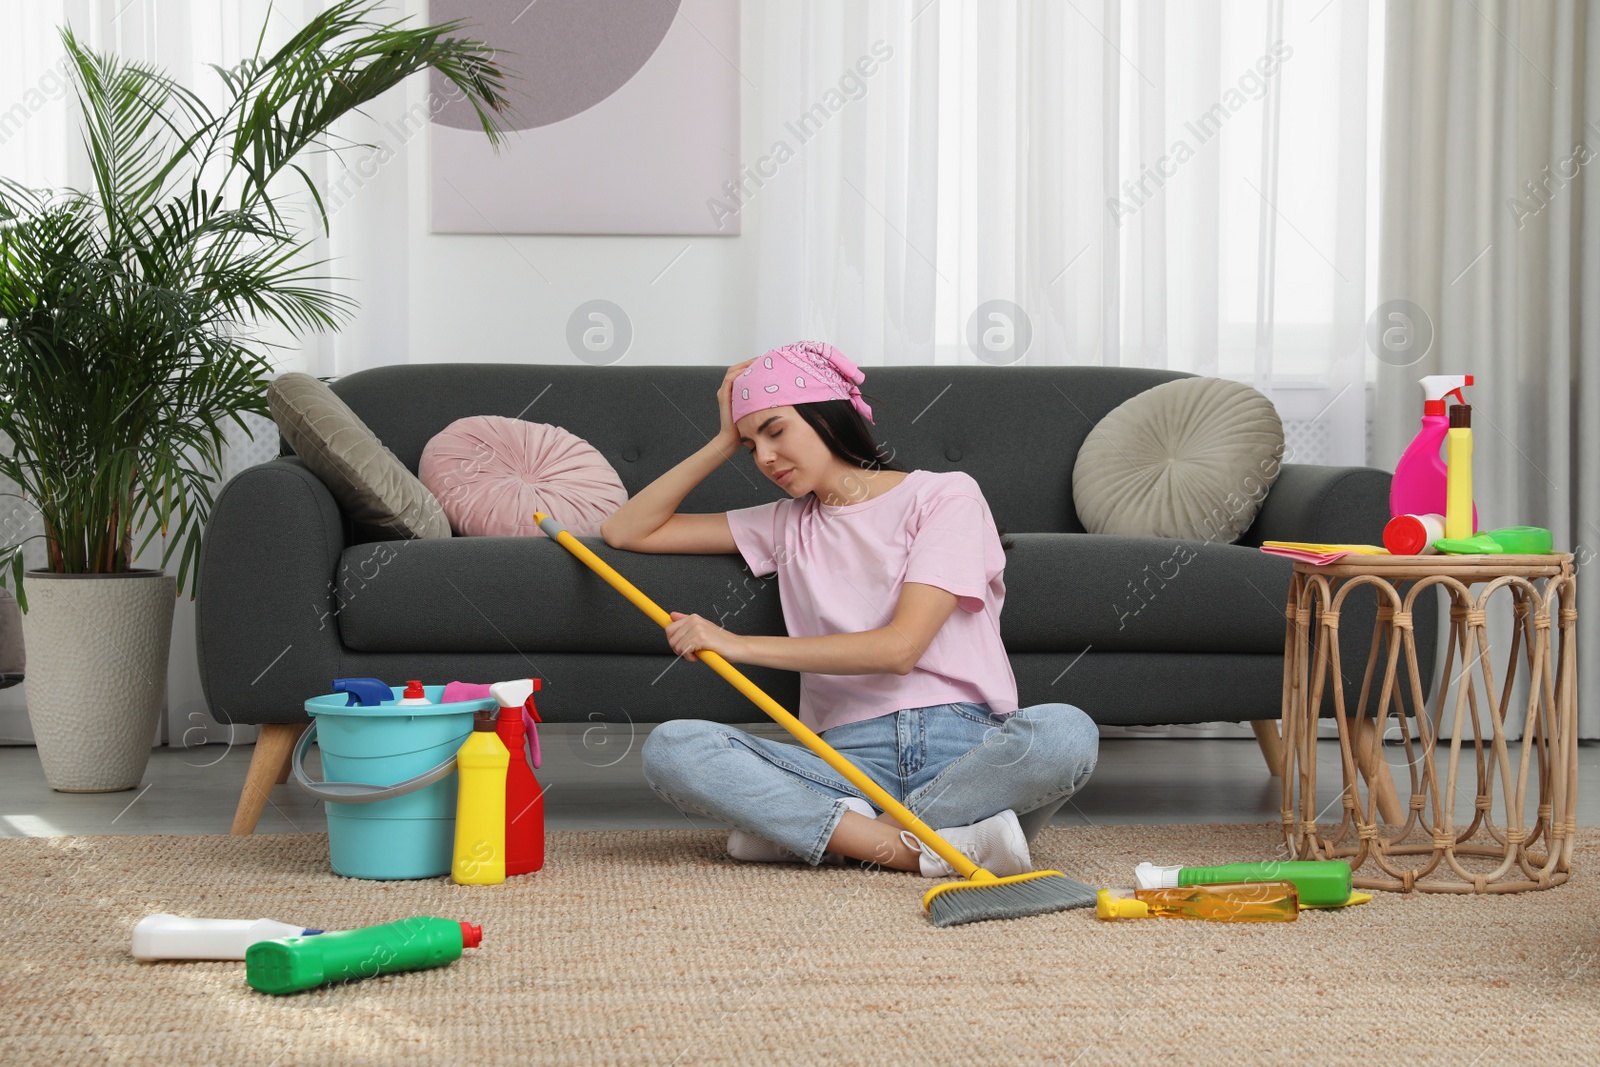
[429,297]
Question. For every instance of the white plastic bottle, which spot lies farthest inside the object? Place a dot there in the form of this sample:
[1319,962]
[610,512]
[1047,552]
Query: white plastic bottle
[414,694]
[174,937]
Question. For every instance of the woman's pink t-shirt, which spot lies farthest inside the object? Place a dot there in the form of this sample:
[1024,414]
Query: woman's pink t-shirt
[840,571]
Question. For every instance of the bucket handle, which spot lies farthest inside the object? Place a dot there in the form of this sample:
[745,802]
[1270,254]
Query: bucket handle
[356,792]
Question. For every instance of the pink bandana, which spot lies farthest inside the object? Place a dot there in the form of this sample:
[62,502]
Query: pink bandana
[802,373]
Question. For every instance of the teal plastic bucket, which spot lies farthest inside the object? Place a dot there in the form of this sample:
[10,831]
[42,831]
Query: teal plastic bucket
[390,782]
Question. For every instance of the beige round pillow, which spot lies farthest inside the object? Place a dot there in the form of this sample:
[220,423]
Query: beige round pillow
[1191,459]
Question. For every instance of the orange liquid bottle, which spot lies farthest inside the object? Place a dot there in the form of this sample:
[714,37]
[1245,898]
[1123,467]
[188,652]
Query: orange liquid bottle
[1262,902]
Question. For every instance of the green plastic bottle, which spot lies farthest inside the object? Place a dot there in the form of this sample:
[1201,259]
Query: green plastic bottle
[1320,883]
[292,964]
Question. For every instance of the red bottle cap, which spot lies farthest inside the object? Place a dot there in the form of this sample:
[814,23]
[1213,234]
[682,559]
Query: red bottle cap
[1405,535]
[471,935]
[414,691]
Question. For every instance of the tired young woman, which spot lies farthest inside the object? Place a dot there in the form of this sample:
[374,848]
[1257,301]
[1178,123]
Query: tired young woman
[891,583]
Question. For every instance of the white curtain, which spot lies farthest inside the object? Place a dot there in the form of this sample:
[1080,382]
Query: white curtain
[1127,183]
[40,145]
[1491,224]
[366,245]
[39,141]
[849,101]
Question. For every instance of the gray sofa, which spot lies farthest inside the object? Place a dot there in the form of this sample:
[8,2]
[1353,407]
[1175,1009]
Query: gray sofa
[1132,630]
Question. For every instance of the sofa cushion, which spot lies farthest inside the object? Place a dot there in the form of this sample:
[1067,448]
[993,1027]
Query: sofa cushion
[503,594]
[1141,594]
[1192,458]
[372,487]
[491,473]
[1064,592]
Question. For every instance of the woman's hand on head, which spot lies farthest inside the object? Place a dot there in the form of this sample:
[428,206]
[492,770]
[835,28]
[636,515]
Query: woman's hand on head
[688,634]
[728,434]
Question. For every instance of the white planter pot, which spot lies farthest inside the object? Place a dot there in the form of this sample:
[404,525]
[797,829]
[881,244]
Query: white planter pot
[97,673]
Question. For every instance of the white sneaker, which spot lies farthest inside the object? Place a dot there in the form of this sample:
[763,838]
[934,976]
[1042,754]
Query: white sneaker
[996,844]
[752,849]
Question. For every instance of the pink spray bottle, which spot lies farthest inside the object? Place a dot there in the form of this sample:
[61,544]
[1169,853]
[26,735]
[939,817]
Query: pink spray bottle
[1420,478]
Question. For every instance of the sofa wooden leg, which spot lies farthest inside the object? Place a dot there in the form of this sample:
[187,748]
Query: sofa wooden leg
[283,771]
[268,766]
[1271,744]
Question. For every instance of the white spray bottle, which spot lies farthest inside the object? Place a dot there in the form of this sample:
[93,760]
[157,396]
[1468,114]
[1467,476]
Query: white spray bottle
[174,937]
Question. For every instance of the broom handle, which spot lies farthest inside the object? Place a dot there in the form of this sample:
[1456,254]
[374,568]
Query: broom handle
[876,793]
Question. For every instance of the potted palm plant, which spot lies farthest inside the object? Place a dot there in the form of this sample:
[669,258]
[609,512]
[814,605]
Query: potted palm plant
[131,318]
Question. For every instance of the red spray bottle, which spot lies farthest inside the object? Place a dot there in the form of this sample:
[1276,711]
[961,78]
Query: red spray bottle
[524,797]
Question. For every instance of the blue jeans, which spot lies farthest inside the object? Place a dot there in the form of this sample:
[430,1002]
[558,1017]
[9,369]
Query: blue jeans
[951,764]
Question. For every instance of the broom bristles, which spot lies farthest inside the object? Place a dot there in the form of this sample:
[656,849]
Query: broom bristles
[1016,897]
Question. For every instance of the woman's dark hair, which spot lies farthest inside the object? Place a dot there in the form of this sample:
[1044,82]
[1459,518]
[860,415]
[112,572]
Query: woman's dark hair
[849,436]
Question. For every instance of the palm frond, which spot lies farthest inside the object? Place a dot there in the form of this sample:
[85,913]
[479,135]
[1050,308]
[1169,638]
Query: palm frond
[129,312]
[341,60]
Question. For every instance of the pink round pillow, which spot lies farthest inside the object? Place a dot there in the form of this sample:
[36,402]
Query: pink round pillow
[490,474]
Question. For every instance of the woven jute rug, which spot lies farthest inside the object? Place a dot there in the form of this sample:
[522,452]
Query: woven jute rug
[651,947]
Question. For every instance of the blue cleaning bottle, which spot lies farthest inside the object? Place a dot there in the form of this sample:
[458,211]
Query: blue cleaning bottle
[364,692]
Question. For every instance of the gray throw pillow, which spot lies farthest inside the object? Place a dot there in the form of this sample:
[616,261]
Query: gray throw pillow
[370,483]
[1191,459]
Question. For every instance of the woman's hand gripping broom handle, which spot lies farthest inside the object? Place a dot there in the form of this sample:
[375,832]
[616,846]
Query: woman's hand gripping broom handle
[876,793]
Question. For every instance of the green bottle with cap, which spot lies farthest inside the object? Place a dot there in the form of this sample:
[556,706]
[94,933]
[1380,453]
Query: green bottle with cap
[292,964]
[1319,883]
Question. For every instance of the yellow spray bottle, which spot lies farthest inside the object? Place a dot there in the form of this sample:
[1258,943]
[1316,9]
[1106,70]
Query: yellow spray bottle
[481,762]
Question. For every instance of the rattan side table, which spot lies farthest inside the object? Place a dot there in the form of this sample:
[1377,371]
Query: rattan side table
[1428,851]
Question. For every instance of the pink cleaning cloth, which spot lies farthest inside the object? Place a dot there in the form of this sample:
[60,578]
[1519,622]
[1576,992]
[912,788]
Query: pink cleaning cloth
[529,718]
[1316,559]
[805,372]
[457,691]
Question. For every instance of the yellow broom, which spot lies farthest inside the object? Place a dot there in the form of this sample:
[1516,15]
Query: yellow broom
[982,895]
